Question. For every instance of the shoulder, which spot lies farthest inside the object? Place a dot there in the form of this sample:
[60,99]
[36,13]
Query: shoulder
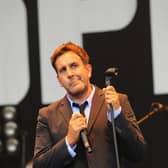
[45,111]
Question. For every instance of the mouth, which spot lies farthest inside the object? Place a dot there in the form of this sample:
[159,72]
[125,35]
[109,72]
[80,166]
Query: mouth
[75,81]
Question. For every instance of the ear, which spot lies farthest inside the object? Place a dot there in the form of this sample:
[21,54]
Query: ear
[89,69]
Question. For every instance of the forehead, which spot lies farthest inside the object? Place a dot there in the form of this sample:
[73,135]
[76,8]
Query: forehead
[67,58]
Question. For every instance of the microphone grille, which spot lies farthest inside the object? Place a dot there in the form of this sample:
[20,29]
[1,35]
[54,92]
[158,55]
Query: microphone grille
[112,71]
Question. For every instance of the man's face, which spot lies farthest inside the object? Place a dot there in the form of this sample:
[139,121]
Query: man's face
[72,74]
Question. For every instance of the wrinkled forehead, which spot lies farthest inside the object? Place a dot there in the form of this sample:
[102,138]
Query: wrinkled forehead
[68,58]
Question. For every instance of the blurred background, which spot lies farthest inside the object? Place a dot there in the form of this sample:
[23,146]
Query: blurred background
[129,34]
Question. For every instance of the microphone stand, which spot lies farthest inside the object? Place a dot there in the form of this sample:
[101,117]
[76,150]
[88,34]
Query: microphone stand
[155,107]
[146,117]
[114,136]
[109,74]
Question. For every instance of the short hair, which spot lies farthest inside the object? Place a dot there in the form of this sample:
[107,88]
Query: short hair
[69,46]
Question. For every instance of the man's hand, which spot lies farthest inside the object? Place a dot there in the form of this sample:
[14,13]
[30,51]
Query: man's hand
[76,124]
[111,97]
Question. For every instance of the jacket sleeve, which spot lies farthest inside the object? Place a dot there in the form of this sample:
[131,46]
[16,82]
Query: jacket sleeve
[131,142]
[48,153]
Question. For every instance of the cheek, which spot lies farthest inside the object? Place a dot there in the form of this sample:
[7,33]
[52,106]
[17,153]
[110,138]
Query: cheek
[61,83]
[60,80]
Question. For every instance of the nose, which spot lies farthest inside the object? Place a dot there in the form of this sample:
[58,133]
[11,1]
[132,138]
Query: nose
[69,72]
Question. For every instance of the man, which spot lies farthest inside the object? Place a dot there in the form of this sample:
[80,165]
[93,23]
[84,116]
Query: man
[60,125]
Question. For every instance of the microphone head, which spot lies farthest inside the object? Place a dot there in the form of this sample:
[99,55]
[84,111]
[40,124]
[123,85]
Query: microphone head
[112,71]
[109,74]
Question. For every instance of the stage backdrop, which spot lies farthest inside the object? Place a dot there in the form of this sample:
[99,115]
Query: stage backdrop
[128,34]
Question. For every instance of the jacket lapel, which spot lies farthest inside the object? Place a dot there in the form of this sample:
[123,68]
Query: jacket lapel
[97,102]
[65,109]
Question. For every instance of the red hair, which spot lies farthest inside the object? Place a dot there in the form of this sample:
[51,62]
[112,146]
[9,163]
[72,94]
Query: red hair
[69,46]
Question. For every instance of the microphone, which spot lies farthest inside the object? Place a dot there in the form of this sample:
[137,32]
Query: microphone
[83,132]
[109,74]
[85,141]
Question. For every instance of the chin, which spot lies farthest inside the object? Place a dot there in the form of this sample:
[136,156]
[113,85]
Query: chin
[77,91]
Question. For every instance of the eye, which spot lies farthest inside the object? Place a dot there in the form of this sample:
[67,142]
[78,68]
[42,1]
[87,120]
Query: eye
[62,70]
[74,65]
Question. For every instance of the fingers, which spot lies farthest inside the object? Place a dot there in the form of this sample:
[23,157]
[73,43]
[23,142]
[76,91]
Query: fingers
[76,124]
[111,96]
[109,88]
[76,115]
[78,121]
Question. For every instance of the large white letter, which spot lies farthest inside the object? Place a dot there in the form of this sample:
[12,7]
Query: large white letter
[14,77]
[159,27]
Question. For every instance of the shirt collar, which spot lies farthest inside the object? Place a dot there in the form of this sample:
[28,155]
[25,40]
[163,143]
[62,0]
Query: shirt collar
[89,99]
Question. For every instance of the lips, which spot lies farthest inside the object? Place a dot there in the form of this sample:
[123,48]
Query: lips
[74,83]
[75,80]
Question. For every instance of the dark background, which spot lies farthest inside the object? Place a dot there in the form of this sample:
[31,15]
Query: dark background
[130,50]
